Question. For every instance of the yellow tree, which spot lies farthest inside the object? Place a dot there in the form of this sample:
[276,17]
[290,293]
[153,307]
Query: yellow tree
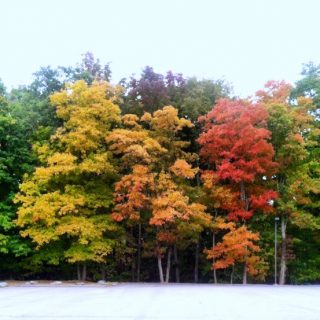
[65,202]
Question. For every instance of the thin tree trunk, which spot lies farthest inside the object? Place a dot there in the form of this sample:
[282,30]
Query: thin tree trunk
[139,253]
[231,276]
[160,268]
[215,280]
[176,263]
[283,259]
[246,207]
[196,263]
[244,280]
[103,272]
[78,271]
[168,265]
[84,272]
[159,258]
[133,262]
[243,196]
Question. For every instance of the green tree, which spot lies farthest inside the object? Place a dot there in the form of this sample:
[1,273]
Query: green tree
[200,96]
[309,85]
[294,138]
[15,160]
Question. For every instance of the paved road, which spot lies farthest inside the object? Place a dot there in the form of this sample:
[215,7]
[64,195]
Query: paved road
[154,301]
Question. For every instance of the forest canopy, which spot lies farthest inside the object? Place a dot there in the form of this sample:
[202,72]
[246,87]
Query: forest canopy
[159,177]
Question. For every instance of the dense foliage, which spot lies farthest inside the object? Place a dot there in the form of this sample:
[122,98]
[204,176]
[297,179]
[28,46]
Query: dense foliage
[159,177]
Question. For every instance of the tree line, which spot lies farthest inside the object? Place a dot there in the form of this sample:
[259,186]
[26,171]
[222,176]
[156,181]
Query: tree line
[159,178]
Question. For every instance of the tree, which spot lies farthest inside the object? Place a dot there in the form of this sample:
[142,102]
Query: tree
[176,218]
[237,245]
[89,70]
[200,96]
[136,151]
[15,160]
[150,92]
[219,199]
[294,137]
[153,193]
[67,199]
[309,85]
[235,143]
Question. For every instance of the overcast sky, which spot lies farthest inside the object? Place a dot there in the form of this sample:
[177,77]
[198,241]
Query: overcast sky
[247,42]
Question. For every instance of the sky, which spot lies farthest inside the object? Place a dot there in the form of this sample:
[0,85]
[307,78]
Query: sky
[245,42]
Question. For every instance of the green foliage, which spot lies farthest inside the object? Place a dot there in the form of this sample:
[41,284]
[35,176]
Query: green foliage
[305,267]
[15,160]
[309,85]
[201,95]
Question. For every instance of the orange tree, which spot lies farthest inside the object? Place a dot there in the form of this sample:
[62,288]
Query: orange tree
[154,192]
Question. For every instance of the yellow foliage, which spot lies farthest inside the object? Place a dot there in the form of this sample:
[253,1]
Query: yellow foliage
[182,168]
[88,116]
[69,195]
[167,120]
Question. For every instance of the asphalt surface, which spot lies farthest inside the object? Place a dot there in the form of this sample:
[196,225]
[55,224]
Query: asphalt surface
[155,301]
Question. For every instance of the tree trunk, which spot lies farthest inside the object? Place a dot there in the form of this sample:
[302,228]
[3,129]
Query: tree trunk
[176,263]
[103,272]
[283,259]
[78,271]
[243,196]
[196,263]
[215,280]
[168,265]
[231,275]
[133,262]
[84,272]
[244,280]
[139,253]
[160,266]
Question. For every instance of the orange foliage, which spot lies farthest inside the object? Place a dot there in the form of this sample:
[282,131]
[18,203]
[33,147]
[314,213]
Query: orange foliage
[238,245]
[181,168]
[275,92]
[131,194]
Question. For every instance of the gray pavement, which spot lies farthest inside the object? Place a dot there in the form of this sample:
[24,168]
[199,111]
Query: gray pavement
[155,301]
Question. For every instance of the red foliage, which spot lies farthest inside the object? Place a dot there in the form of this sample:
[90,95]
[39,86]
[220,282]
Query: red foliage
[263,202]
[235,139]
[240,214]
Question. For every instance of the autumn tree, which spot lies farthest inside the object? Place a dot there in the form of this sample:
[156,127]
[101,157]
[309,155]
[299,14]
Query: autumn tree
[136,151]
[152,193]
[149,92]
[235,142]
[67,199]
[177,219]
[219,199]
[238,245]
[192,97]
